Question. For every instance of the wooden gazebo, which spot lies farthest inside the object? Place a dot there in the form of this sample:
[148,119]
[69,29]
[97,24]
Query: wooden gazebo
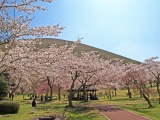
[79,93]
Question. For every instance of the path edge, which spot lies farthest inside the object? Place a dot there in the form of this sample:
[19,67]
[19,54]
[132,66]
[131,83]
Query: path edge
[103,114]
[137,113]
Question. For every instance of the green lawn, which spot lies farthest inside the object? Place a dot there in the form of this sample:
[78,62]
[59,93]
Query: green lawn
[55,107]
[84,110]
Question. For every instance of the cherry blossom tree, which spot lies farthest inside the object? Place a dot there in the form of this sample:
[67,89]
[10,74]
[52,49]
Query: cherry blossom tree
[126,81]
[43,88]
[44,62]
[13,52]
[153,68]
[84,70]
[14,26]
[56,81]
[139,77]
[114,69]
[19,77]
[14,62]
[10,56]
[61,78]
[89,74]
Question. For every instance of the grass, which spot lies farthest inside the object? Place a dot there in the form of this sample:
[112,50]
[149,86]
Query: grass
[137,105]
[53,108]
[84,110]
[141,107]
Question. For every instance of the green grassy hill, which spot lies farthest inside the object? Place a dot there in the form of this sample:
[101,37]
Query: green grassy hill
[83,47]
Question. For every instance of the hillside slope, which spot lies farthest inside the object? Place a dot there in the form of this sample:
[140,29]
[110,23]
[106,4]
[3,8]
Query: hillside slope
[46,42]
[82,47]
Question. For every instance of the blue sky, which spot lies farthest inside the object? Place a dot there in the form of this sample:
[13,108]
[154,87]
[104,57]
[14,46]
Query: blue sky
[130,28]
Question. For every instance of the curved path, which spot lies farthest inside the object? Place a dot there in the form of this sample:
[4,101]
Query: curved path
[112,112]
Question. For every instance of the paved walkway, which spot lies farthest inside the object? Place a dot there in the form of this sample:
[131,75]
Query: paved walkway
[112,112]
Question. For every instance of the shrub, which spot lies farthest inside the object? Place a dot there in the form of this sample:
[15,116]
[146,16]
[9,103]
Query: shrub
[9,107]
[3,89]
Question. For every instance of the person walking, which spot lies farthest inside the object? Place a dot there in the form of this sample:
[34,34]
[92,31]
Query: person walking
[34,105]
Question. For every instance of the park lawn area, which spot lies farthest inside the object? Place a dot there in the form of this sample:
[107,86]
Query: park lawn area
[53,108]
[85,110]
[136,104]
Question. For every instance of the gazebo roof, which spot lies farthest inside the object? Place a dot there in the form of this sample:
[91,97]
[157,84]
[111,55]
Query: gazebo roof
[91,88]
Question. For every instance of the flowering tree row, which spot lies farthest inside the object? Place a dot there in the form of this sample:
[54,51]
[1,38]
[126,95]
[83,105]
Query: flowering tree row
[15,19]
[29,67]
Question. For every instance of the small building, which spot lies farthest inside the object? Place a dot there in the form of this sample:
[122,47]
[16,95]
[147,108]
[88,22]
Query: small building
[79,93]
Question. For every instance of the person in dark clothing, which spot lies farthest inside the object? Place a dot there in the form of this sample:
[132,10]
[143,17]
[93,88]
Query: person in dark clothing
[41,98]
[34,105]
[46,98]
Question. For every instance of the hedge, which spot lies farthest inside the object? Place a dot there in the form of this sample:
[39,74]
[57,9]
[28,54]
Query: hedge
[9,107]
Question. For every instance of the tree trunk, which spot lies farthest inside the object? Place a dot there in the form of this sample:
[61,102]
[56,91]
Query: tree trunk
[85,95]
[51,92]
[59,93]
[72,86]
[150,82]
[110,96]
[147,99]
[23,96]
[158,91]
[71,94]
[10,95]
[51,88]
[59,96]
[143,93]
[115,92]
[129,92]
[70,98]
